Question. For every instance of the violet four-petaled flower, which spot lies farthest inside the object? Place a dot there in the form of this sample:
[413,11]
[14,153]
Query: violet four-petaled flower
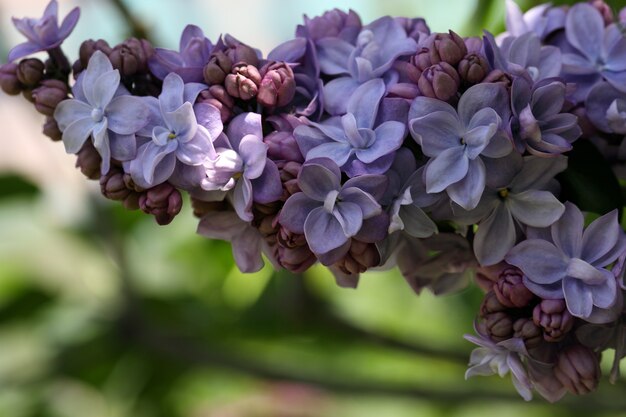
[574,264]
[43,34]
[104,110]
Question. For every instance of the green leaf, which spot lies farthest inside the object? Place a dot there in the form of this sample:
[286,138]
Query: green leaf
[14,185]
[589,181]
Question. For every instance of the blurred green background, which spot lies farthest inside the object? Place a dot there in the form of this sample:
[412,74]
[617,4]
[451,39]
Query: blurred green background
[105,314]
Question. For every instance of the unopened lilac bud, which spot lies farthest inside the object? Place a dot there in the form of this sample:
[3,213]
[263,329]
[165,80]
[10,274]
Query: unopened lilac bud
[201,208]
[8,79]
[491,304]
[293,253]
[88,161]
[473,68]
[114,187]
[278,86]
[510,289]
[162,201]
[241,54]
[529,332]
[605,11]
[577,368]
[282,146]
[449,47]
[498,76]
[554,318]
[218,97]
[30,72]
[499,326]
[131,56]
[440,81]
[424,58]
[51,129]
[333,23]
[48,96]
[87,49]
[218,67]
[289,177]
[243,82]
[359,258]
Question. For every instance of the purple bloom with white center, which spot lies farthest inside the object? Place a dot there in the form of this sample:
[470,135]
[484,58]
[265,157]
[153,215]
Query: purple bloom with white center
[599,51]
[456,142]
[538,124]
[195,50]
[327,213]
[177,134]
[104,110]
[573,266]
[500,358]
[378,45]
[43,34]
[606,108]
[352,141]
[522,202]
[242,167]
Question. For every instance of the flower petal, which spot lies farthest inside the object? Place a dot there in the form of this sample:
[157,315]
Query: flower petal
[447,168]
[68,111]
[75,135]
[127,114]
[495,237]
[567,233]
[578,297]
[253,152]
[436,132]
[541,261]
[535,208]
[363,103]
[600,237]
[349,216]
[468,191]
[584,29]
[295,211]
[171,96]
[323,231]
[368,205]
[317,180]
[335,93]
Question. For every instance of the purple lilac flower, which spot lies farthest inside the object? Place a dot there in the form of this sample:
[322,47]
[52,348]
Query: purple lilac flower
[522,202]
[573,265]
[455,142]
[352,141]
[43,34]
[500,358]
[246,241]
[242,166]
[103,109]
[599,52]
[606,108]
[541,20]
[195,50]
[538,124]
[333,23]
[177,135]
[378,45]
[327,213]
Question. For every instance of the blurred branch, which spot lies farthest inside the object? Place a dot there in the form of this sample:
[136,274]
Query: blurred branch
[137,29]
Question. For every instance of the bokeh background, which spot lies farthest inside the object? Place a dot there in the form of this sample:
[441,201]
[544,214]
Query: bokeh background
[105,314]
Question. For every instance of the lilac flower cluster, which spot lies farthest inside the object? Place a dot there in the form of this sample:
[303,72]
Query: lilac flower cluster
[376,145]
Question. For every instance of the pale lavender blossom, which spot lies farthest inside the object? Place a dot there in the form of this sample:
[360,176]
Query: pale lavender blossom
[101,108]
[457,141]
[353,141]
[541,20]
[500,358]
[606,108]
[242,168]
[328,213]
[333,23]
[573,264]
[378,45]
[194,52]
[538,124]
[176,134]
[43,34]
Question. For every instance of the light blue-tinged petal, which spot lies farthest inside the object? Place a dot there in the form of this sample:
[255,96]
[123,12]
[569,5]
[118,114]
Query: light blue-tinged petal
[295,211]
[101,143]
[197,150]
[416,222]
[76,133]
[578,297]
[437,132]
[171,96]
[368,205]
[154,156]
[208,116]
[22,50]
[467,192]
[480,96]
[68,111]
[323,232]
[69,23]
[600,237]
[567,233]
[336,93]
[495,237]
[447,168]
[253,152]
[605,294]
[349,216]
[98,65]
[363,103]
[584,29]
[535,208]
[102,92]
[389,138]
[541,261]
[123,147]
[317,180]
[127,114]
[268,187]
[242,125]
[338,152]
[333,54]
[242,199]
[308,137]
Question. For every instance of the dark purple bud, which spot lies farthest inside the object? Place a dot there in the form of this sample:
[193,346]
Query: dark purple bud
[473,68]
[218,67]
[415,28]
[8,79]
[293,252]
[30,72]
[217,96]
[359,258]
[510,289]
[241,54]
[282,146]
[498,76]
[422,60]
[554,318]
[202,208]
[114,186]
[87,49]
[48,96]
[88,161]
[586,126]
[289,177]
[131,56]
[449,47]
[605,11]
[51,129]
[278,85]
[440,81]
[578,369]
[491,304]
[162,201]
[499,325]
[333,23]
[243,82]
[528,331]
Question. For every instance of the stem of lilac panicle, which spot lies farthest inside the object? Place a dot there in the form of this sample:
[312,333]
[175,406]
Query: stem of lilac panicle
[60,63]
